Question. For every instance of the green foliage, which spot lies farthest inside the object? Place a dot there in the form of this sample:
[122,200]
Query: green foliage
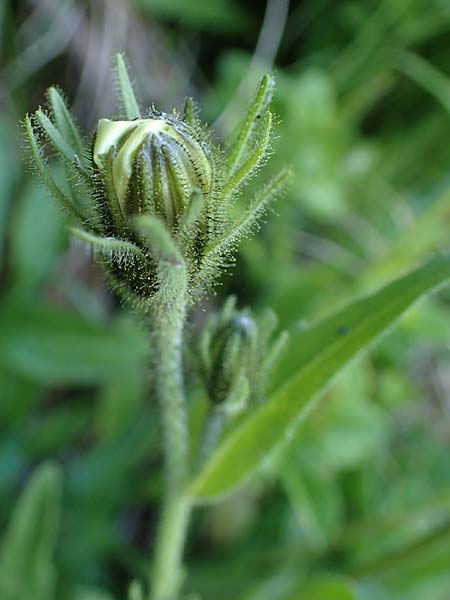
[327,347]
[53,346]
[28,546]
[35,253]
[355,505]
[221,15]
[324,588]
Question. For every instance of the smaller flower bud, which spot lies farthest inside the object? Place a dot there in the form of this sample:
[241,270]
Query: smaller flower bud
[157,164]
[236,347]
[237,353]
[231,352]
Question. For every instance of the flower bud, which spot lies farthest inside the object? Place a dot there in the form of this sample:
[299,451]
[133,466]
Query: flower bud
[231,352]
[156,196]
[156,165]
[236,354]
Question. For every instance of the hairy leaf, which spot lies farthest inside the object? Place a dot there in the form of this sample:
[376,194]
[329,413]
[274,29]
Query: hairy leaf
[42,169]
[251,123]
[64,121]
[130,105]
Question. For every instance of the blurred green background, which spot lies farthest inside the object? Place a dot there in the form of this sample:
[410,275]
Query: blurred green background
[359,506]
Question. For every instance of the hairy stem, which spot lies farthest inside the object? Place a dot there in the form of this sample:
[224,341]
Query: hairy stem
[167,567]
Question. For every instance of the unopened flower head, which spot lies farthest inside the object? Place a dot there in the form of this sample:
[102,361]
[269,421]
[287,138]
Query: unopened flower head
[157,163]
[153,189]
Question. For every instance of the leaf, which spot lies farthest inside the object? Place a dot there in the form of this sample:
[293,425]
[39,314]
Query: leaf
[64,121]
[26,555]
[426,75]
[251,123]
[425,235]
[325,349]
[42,169]
[130,105]
[249,166]
[10,172]
[189,111]
[159,240]
[381,544]
[118,402]
[55,136]
[18,397]
[108,246]
[35,251]
[250,215]
[49,345]
[315,502]
[326,588]
[417,570]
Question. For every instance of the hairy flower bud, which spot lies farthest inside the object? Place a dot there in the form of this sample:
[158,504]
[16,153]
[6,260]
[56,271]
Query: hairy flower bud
[237,351]
[157,164]
[236,354]
[231,354]
[155,197]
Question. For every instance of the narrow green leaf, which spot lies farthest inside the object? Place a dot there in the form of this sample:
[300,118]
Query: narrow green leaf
[425,235]
[278,347]
[108,246]
[425,74]
[250,216]
[130,104]
[328,347]
[64,121]
[43,171]
[159,239]
[251,122]
[255,158]
[171,268]
[118,400]
[26,555]
[55,136]
[189,111]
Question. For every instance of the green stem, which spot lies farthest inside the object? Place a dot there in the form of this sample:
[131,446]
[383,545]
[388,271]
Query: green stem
[167,567]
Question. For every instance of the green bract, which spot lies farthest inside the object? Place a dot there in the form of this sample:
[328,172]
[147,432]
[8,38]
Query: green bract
[153,187]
